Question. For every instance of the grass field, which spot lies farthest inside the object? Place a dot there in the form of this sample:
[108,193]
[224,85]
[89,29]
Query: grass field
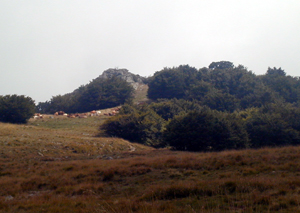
[63,165]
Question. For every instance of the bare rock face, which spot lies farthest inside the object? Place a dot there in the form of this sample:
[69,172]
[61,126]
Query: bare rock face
[124,74]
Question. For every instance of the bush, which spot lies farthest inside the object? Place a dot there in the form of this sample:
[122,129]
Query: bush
[16,109]
[205,130]
[272,129]
[137,126]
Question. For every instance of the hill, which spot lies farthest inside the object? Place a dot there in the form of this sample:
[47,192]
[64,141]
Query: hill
[58,165]
[112,88]
[219,107]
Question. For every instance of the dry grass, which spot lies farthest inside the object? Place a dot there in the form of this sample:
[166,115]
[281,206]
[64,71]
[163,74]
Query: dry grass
[58,165]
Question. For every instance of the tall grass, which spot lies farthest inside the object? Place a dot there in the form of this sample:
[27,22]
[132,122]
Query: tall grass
[45,168]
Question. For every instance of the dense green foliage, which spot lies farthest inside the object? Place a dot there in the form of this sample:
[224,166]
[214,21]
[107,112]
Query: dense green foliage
[186,125]
[224,87]
[16,109]
[287,87]
[142,126]
[145,124]
[215,108]
[205,130]
[98,94]
[167,109]
[172,83]
[273,125]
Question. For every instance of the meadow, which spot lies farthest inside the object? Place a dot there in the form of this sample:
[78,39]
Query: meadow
[66,165]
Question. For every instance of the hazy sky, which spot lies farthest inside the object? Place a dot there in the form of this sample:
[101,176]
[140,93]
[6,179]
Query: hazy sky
[51,47]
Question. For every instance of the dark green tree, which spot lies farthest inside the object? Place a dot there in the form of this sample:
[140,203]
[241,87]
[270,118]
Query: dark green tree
[276,72]
[60,103]
[199,91]
[16,109]
[237,81]
[137,126]
[43,107]
[260,96]
[221,65]
[104,93]
[286,86]
[273,125]
[172,82]
[217,100]
[271,130]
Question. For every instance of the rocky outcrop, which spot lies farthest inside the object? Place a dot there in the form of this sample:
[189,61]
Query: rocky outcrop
[124,74]
[134,80]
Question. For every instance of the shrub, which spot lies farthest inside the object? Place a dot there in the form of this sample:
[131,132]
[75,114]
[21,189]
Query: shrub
[205,130]
[271,129]
[138,126]
[16,109]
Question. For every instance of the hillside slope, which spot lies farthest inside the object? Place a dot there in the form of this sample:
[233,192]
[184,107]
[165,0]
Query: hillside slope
[58,165]
[58,137]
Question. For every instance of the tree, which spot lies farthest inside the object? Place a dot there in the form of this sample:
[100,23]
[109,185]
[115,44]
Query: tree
[137,126]
[16,109]
[43,107]
[275,71]
[104,93]
[60,103]
[286,86]
[273,125]
[172,82]
[270,129]
[220,101]
[261,95]
[221,65]
[237,81]
[198,91]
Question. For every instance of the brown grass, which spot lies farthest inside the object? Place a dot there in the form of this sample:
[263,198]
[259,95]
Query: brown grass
[58,165]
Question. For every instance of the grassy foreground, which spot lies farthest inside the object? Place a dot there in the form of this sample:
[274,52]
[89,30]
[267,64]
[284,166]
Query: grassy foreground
[59,165]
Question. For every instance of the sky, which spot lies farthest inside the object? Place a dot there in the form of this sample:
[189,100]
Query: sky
[51,47]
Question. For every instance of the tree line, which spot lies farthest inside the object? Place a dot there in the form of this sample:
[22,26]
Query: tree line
[100,93]
[212,109]
[187,125]
[224,87]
